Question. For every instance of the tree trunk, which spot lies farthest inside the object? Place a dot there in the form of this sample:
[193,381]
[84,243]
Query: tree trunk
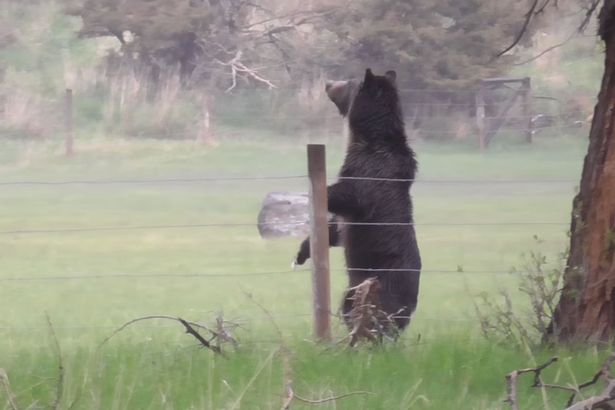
[586,311]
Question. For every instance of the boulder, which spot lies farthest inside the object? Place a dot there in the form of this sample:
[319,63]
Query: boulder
[284,214]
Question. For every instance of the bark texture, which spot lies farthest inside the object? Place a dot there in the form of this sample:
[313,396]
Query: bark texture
[586,311]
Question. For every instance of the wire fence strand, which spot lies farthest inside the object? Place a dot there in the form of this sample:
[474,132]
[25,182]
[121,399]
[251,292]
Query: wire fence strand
[268,178]
[35,231]
[153,180]
[201,275]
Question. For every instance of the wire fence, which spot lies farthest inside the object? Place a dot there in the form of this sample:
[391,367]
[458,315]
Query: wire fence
[188,180]
[69,230]
[240,321]
[204,225]
[225,275]
[116,276]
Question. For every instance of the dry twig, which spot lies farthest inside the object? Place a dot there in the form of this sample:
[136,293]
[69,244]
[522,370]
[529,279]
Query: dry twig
[526,23]
[601,401]
[237,67]
[204,342]
[366,319]
[334,398]
[190,329]
[511,381]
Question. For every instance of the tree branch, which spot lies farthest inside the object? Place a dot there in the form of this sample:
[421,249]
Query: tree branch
[600,401]
[526,23]
[511,381]
[189,326]
[190,330]
[334,398]
[549,49]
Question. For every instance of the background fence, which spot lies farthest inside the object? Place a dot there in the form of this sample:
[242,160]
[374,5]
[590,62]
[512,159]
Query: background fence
[482,114]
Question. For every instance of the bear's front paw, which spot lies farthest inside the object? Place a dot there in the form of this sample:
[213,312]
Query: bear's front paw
[299,260]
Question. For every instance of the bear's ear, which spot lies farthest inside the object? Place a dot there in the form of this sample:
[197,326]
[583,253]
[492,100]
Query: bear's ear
[369,76]
[391,76]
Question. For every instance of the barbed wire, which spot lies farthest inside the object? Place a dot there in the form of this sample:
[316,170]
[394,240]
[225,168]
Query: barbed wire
[461,181]
[148,276]
[244,274]
[261,224]
[248,341]
[267,178]
[241,320]
[344,223]
[259,115]
[153,180]
[190,136]
[147,227]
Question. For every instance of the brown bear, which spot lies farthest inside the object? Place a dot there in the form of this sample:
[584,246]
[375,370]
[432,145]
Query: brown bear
[371,200]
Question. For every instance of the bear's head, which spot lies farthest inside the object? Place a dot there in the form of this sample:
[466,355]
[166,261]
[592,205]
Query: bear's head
[343,93]
[372,105]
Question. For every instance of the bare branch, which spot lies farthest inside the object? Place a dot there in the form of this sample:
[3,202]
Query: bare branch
[334,398]
[511,381]
[526,23]
[290,396]
[596,402]
[588,15]
[139,319]
[548,49]
[290,16]
[543,7]
[600,401]
[367,318]
[223,334]
[238,67]
[603,373]
[190,330]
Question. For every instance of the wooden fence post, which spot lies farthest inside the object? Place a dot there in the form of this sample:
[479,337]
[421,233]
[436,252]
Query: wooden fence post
[527,108]
[69,125]
[480,116]
[319,241]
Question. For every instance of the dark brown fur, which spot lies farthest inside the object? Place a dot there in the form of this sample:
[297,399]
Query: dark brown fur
[378,148]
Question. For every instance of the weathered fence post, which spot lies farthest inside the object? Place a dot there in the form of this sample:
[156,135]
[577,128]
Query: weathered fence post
[319,240]
[69,125]
[480,116]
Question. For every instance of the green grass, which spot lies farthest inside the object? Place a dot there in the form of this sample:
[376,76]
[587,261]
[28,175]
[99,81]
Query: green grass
[441,361]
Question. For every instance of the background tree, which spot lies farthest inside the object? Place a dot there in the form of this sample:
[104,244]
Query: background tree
[216,42]
[434,43]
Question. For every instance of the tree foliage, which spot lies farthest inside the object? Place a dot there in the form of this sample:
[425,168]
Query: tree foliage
[217,41]
[433,43]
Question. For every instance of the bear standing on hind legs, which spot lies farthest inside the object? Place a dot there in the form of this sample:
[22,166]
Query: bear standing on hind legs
[372,196]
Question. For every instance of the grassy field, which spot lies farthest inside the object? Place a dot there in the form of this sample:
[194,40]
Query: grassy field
[441,362]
